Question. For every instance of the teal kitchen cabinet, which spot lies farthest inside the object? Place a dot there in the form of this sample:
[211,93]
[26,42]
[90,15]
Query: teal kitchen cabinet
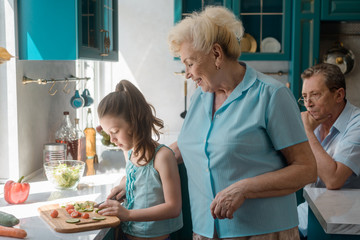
[67,30]
[305,41]
[340,10]
[185,7]
[265,21]
[268,22]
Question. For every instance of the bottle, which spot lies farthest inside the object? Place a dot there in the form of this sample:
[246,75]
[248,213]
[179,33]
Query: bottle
[81,142]
[90,135]
[67,135]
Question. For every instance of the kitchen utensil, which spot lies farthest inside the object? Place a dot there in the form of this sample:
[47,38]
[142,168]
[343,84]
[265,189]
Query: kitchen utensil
[113,198]
[59,224]
[76,101]
[183,114]
[340,56]
[248,43]
[270,44]
[64,174]
[88,100]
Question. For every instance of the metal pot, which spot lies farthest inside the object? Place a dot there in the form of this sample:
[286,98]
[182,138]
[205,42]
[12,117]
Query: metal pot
[340,56]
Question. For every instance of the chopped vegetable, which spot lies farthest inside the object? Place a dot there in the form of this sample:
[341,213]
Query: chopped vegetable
[75,214]
[86,206]
[54,213]
[72,220]
[98,218]
[66,176]
[69,206]
[12,232]
[85,215]
[16,192]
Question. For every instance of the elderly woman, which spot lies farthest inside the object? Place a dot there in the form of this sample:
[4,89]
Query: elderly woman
[242,141]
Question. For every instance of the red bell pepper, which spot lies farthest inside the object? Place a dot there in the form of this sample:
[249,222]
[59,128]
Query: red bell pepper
[16,192]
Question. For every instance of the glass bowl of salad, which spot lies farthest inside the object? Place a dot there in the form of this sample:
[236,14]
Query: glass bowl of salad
[64,174]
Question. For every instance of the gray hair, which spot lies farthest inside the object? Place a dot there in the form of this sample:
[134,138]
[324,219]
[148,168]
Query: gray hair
[215,24]
[333,77]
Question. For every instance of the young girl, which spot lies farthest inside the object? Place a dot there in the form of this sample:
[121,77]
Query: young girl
[152,208]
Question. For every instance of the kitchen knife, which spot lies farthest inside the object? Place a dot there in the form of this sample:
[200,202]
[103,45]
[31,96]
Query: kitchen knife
[113,198]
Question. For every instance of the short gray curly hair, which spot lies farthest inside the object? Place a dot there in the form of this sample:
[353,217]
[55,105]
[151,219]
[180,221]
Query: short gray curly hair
[213,25]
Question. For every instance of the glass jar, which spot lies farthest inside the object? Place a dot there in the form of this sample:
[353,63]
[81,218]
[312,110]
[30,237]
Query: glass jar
[54,151]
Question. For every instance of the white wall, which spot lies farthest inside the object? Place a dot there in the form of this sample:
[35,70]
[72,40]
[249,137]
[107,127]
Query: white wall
[39,113]
[143,28]
[4,166]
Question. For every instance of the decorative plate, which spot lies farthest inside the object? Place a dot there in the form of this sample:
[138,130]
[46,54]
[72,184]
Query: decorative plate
[248,43]
[270,45]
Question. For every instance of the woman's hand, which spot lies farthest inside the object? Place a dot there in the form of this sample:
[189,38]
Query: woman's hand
[119,191]
[227,201]
[114,208]
[177,152]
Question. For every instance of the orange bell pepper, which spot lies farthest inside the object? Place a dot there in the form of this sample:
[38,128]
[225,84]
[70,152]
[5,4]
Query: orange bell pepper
[16,192]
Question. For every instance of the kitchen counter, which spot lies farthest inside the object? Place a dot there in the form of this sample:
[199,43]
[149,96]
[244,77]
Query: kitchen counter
[337,211]
[109,171]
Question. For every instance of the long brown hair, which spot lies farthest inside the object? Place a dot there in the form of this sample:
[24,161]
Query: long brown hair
[129,103]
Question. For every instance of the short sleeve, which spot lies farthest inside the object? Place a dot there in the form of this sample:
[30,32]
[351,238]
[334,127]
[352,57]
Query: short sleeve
[348,149]
[283,120]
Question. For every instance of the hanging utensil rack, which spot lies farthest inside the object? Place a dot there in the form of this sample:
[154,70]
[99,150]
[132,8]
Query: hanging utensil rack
[42,81]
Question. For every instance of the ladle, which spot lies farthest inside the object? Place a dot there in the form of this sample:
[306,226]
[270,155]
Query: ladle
[183,114]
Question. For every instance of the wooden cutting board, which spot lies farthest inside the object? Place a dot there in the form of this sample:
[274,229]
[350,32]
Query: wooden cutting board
[59,224]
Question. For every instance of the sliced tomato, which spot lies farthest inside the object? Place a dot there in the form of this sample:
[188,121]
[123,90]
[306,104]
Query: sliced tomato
[70,211]
[54,213]
[85,215]
[69,206]
[75,214]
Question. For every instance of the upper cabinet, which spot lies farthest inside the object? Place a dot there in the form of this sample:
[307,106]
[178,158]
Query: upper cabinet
[267,25]
[67,30]
[340,10]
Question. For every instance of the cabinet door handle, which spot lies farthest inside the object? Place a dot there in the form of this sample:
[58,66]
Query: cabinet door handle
[107,43]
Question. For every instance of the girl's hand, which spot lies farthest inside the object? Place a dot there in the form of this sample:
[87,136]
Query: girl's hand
[227,202]
[119,191]
[114,208]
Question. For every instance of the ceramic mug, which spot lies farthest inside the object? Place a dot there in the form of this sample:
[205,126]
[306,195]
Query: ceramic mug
[88,100]
[77,101]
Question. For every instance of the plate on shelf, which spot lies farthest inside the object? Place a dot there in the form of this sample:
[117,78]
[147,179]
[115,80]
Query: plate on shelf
[248,43]
[270,45]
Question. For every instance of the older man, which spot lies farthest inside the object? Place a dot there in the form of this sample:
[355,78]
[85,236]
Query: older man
[332,125]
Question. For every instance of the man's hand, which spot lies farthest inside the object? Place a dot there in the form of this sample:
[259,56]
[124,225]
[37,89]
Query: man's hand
[310,123]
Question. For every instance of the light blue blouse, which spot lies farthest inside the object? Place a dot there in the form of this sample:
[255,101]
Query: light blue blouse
[343,143]
[144,190]
[259,118]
